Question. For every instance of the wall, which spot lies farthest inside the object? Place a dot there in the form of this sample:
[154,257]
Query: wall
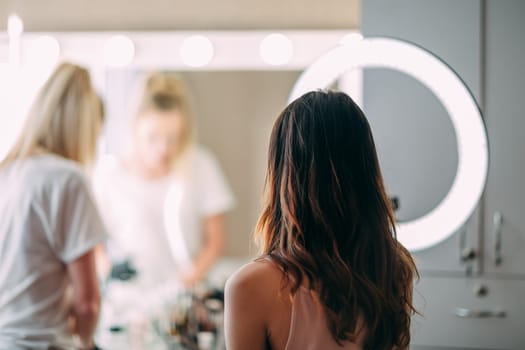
[177,14]
[236,126]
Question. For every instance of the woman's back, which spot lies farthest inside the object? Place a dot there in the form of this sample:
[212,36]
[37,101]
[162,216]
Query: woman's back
[309,327]
[297,323]
[327,223]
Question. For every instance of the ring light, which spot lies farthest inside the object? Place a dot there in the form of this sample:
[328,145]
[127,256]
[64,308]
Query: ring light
[461,200]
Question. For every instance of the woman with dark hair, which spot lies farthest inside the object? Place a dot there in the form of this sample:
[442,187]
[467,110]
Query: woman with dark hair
[331,274]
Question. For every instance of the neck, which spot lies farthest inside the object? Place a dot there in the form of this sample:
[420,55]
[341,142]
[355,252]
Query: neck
[148,173]
[38,151]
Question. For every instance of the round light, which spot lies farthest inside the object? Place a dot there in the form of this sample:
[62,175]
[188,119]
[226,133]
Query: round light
[119,51]
[196,51]
[276,49]
[15,26]
[45,50]
[350,38]
[461,200]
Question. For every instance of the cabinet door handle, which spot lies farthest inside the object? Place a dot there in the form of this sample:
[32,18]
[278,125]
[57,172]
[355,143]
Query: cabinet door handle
[470,313]
[497,221]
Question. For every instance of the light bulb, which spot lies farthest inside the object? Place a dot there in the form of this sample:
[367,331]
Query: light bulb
[15,25]
[276,49]
[196,51]
[45,49]
[119,51]
[351,38]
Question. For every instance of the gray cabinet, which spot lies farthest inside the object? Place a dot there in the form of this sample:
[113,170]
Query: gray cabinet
[455,316]
[505,119]
[484,41]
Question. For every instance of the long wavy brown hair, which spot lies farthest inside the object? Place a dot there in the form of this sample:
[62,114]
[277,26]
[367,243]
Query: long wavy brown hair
[328,220]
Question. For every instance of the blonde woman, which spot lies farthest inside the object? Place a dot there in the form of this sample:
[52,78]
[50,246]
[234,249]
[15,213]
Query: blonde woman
[49,226]
[164,202]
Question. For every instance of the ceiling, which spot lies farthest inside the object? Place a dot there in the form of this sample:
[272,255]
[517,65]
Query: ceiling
[58,15]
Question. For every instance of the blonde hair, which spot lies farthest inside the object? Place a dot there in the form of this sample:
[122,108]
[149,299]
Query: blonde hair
[166,92]
[65,118]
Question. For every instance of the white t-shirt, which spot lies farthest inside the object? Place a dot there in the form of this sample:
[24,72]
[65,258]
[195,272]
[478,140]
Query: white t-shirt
[158,224]
[47,220]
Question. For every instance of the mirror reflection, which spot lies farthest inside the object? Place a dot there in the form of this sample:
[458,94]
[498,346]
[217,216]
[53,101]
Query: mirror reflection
[228,123]
[164,196]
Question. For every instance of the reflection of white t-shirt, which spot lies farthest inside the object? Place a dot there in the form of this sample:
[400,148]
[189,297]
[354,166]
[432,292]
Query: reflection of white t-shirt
[47,220]
[158,224]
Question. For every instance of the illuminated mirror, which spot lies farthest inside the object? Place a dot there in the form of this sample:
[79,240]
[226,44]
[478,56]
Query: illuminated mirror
[238,81]
[458,205]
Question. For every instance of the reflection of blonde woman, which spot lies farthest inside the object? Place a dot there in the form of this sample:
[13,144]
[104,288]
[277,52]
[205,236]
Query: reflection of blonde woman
[164,203]
[48,222]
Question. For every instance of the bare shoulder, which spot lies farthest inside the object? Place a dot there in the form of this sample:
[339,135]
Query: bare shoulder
[260,280]
[256,310]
